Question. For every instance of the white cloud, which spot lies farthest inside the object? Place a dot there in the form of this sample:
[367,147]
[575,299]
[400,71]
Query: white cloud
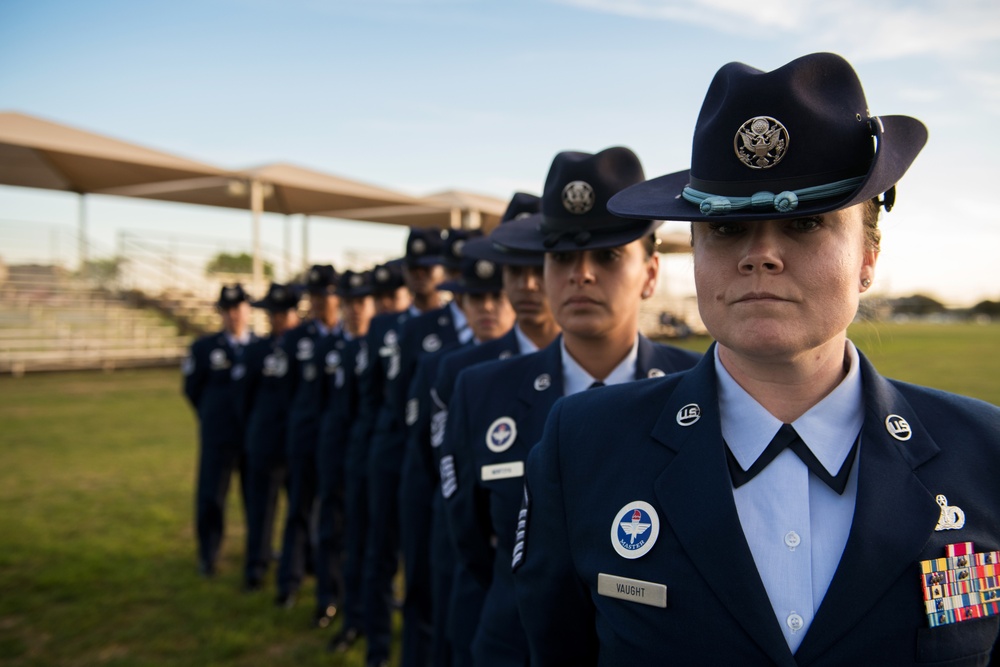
[861,29]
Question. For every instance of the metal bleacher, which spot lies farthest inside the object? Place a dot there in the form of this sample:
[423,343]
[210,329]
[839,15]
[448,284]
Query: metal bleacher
[50,320]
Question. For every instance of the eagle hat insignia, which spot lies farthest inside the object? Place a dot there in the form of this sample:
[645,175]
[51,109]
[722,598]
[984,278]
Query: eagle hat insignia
[501,434]
[761,142]
[635,529]
[419,246]
[485,269]
[578,197]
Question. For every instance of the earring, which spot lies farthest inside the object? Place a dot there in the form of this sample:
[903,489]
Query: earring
[645,294]
[866,282]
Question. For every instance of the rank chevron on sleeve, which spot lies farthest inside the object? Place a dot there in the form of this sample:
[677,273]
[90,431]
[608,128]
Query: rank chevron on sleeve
[961,586]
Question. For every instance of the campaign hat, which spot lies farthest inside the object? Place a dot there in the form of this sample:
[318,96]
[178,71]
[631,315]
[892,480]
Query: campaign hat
[321,279]
[478,276]
[793,142]
[388,277]
[353,284]
[522,205]
[231,296]
[424,247]
[573,214]
[280,297]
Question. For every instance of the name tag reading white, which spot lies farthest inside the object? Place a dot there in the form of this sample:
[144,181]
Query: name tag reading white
[633,590]
[503,471]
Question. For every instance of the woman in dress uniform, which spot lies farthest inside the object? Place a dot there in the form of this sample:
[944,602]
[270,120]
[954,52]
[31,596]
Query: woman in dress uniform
[598,269]
[781,503]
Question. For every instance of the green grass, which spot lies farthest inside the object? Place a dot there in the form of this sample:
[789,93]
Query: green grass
[97,565]
[960,358]
[97,556]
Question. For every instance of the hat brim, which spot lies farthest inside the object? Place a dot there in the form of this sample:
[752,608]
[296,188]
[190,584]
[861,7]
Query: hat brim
[899,140]
[461,287]
[500,255]
[425,261]
[527,235]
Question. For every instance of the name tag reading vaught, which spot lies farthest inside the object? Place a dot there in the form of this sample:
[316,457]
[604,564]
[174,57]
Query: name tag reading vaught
[503,471]
[633,590]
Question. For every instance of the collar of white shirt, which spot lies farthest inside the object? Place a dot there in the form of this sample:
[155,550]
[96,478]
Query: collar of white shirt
[575,379]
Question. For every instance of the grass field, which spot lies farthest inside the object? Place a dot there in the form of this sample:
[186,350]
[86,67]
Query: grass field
[97,559]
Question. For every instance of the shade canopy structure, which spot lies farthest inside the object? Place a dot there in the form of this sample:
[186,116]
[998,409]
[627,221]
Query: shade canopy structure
[38,153]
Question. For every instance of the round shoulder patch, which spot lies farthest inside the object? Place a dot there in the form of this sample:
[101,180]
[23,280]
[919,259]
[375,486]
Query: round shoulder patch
[432,343]
[501,434]
[635,529]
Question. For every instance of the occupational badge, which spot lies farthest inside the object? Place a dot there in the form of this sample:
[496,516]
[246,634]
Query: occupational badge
[217,359]
[432,343]
[501,434]
[952,517]
[635,529]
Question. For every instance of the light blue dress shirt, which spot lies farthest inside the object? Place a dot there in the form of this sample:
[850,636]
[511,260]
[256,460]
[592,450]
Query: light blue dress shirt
[461,322]
[524,344]
[575,379]
[796,525]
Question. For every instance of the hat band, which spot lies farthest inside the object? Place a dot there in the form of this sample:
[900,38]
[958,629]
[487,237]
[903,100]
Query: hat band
[555,230]
[783,202]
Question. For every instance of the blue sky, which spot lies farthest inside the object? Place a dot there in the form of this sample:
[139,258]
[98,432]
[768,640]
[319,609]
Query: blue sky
[430,95]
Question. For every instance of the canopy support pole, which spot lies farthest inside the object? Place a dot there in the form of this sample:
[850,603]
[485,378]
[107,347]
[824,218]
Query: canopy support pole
[257,207]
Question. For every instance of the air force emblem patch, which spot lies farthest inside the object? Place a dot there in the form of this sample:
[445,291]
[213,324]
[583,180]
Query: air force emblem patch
[635,529]
[501,434]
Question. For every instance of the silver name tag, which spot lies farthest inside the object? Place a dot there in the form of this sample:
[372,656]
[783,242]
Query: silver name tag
[503,471]
[633,590]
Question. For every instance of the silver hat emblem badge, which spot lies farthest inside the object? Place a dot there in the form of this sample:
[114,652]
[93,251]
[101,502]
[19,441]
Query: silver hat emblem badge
[761,142]
[485,269]
[578,197]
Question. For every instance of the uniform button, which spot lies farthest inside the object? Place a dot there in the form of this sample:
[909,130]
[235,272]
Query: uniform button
[794,622]
[792,540]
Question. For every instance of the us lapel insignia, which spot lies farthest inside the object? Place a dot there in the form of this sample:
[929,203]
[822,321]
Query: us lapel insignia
[961,586]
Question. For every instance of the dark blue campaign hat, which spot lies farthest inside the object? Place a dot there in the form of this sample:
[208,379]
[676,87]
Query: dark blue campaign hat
[321,279]
[353,284]
[231,296]
[279,298]
[388,277]
[424,247]
[454,246]
[574,214]
[522,205]
[478,276]
[789,143]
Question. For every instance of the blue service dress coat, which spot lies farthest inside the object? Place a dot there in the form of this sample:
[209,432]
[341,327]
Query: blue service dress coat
[421,336]
[264,405]
[304,385]
[457,596]
[212,373]
[648,443]
[378,420]
[496,415]
[335,351]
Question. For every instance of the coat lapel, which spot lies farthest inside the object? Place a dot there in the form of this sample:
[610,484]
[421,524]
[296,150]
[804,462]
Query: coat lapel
[696,495]
[880,546]
[545,370]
